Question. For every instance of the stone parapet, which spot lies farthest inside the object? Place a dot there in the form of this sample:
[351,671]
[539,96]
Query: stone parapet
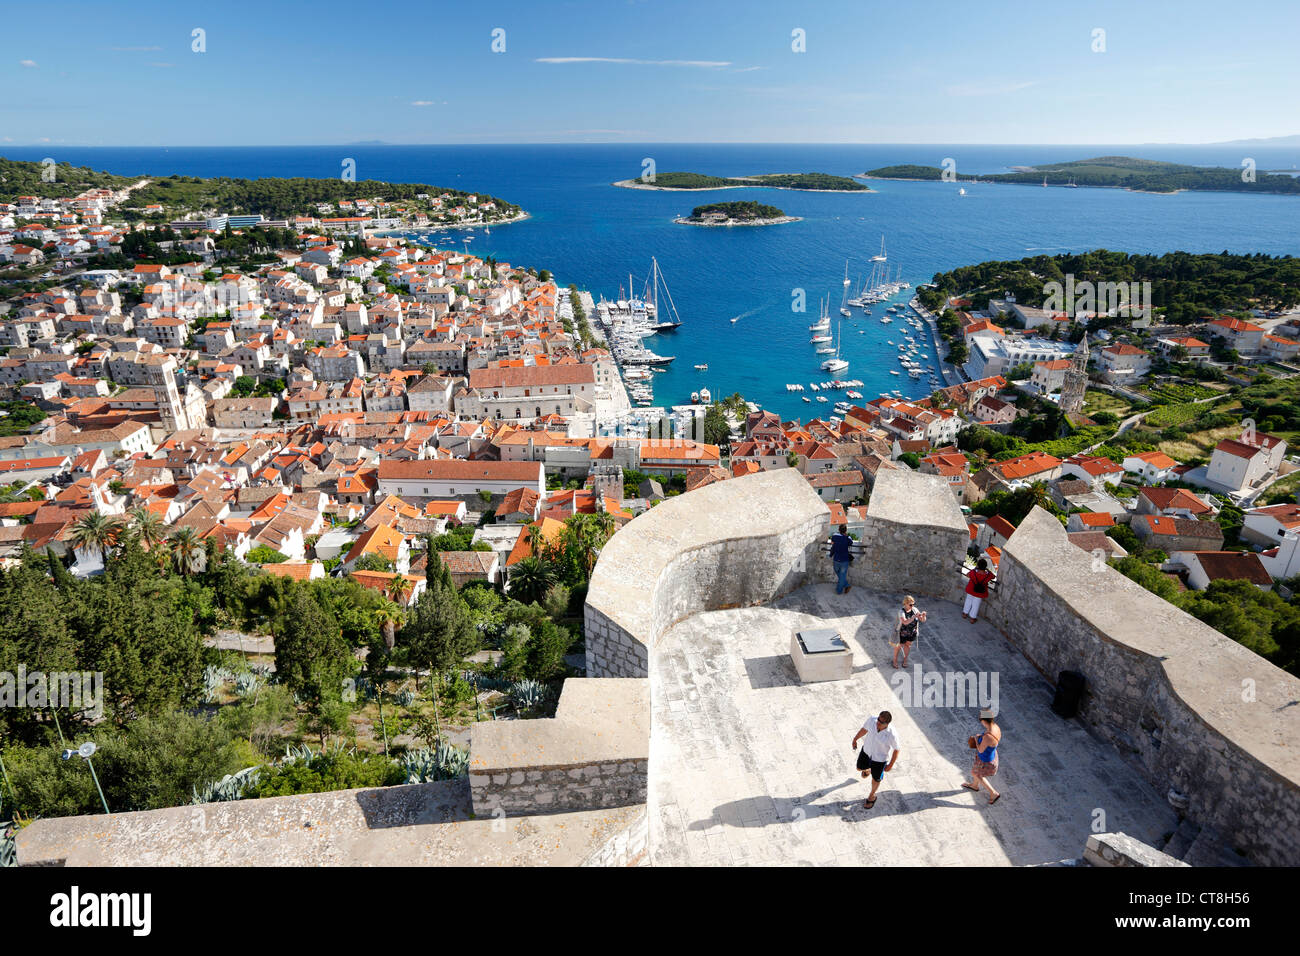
[1120,849]
[914,538]
[593,754]
[731,543]
[428,824]
[1207,720]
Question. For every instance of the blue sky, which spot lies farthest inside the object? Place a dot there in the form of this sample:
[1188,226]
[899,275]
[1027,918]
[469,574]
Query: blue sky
[330,72]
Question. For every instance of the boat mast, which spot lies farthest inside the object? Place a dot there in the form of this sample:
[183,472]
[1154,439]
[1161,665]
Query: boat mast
[677,320]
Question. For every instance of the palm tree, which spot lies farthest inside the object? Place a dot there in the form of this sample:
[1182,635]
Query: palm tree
[148,529]
[389,615]
[604,523]
[97,532]
[582,539]
[537,542]
[398,588]
[530,579]
[185,545]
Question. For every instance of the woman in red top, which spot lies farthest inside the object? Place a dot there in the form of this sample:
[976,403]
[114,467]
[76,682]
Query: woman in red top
[977,589]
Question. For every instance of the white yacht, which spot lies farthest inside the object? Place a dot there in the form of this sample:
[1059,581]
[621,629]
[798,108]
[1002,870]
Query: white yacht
[836,364]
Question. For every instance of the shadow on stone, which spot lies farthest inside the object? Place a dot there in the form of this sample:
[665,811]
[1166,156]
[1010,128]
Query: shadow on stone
[444,801]
[768,672]
[763,811]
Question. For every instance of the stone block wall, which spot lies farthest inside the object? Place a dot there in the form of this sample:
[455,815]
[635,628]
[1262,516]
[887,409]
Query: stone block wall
[581,786]
[733,543]
[1208,721]
[914,539]
[593,754]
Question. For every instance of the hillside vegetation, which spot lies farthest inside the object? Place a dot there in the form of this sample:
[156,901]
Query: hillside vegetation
[1185,287]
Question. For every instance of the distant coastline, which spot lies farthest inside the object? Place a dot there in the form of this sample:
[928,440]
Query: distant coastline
[1109,172]
[996,182]
[443,226]
[793,182]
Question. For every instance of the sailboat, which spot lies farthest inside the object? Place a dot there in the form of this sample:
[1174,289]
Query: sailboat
[961,191]
[881,257]
[819,330]
[844,301]
[660,322]
[836,364]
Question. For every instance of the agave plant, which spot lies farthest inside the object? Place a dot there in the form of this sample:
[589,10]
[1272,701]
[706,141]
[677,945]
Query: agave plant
[8,845]
[484,682]
[405,697]
[233,786]
[214,678]
[443,762]
[246,684]
[527,694]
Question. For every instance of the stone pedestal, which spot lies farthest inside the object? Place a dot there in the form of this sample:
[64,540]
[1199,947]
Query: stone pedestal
[820,655]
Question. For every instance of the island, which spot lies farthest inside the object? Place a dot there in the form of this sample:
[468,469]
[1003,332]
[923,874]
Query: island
[736,214]
[334,204]
[810,182]
[1113,172]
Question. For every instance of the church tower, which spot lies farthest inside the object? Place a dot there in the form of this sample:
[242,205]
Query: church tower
[170,407]
[1076,380]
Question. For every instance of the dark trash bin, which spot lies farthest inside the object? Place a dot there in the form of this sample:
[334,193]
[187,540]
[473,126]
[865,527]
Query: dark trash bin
[1069,691]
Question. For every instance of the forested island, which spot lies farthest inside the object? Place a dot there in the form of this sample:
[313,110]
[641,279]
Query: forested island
[1117,172]
[814,182]
[736,214]
[1185,287]
[274,198]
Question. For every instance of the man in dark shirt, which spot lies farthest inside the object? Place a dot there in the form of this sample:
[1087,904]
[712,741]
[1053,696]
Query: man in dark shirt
[841,557]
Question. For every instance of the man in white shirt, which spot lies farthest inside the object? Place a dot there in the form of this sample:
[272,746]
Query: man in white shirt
[879,751]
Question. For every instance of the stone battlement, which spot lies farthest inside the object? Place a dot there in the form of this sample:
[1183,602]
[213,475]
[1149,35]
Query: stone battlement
[1202,718]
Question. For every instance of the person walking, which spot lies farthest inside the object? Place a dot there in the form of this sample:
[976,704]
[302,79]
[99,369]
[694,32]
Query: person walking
[977,589]
[907,628]
[985,745]
[879,751]
[841,558]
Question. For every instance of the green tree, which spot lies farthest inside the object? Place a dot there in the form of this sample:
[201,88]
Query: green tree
[530,578]
[373,561]
[717,430]
[439,632]
[312,659]
[186,547]
[96,532]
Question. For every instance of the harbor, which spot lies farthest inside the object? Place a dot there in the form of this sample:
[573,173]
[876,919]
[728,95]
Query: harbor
[637,322]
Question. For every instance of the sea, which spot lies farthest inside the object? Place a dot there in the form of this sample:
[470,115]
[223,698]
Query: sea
[601,237]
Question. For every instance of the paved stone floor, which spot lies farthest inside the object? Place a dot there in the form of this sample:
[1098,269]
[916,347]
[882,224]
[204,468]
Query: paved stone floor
[748,766]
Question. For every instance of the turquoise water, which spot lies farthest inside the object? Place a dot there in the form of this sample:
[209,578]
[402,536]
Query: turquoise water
[592,234]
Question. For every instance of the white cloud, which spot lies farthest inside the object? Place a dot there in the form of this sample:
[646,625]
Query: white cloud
[708,64]
[421,102]
[27,63]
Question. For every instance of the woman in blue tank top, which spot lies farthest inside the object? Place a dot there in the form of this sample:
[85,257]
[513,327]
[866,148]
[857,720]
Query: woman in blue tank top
[985,746]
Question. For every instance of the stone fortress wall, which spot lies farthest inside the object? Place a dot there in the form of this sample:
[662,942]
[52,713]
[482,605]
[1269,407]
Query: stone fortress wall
[1208,721]
[1161,686]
